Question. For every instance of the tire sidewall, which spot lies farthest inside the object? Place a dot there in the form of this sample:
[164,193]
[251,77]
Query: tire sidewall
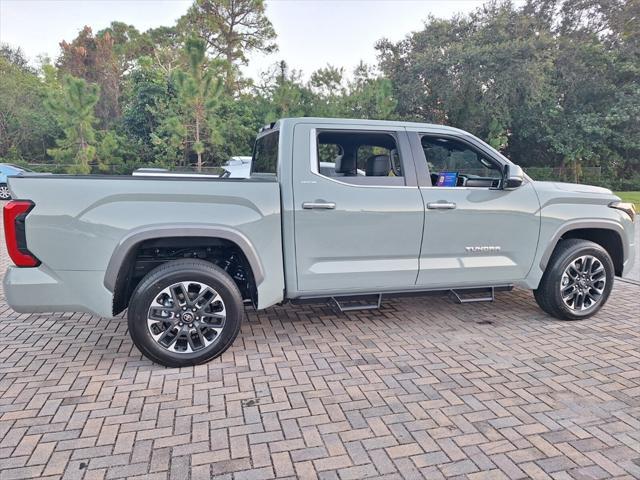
[563,261]
[156,281]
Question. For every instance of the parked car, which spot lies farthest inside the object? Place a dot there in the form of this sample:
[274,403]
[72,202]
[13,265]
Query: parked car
[164,172]
[436,209]
[7,169]
[237,167]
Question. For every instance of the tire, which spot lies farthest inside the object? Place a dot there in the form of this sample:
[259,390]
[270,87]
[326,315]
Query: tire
[541,300]
[5,194]
[577,281]
[185,312]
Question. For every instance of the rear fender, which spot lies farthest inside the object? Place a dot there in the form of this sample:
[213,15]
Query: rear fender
[126,247]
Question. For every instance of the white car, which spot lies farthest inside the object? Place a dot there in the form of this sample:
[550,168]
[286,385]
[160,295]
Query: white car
[237,167]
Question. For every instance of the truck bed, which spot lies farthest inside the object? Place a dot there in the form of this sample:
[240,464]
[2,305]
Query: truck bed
[79,222]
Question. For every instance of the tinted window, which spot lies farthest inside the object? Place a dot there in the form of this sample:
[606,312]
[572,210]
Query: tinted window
[453,156]
[265,154]
[360,157]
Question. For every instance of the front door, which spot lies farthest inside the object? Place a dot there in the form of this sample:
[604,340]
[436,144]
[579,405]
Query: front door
[358,212]
[475,234]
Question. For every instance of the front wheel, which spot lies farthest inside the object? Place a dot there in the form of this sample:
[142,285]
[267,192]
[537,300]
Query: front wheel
[185,312]
[5,194]
[577,281]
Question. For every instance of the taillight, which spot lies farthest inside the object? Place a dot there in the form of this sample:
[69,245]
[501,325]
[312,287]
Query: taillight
[15,212]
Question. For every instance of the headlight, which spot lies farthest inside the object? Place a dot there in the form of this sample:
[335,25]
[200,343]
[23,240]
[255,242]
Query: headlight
[628,208]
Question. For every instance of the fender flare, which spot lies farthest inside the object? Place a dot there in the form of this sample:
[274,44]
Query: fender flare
[128,243]
[601,224]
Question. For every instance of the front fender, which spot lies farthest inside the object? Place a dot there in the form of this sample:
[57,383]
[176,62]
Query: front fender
[602,224]
[566,215]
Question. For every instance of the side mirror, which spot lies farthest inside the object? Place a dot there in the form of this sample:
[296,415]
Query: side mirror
[512,177]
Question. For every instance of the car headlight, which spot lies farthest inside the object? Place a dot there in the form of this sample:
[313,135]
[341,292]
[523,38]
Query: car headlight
[628,208]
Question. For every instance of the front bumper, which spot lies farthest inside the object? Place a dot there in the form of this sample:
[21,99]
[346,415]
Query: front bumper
[632,250]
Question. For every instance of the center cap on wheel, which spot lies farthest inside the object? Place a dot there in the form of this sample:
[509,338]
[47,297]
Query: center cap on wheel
[187,317]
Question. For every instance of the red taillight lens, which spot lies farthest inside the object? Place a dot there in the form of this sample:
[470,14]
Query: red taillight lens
[14,215]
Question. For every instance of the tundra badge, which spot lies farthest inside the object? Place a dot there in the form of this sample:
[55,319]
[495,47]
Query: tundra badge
[482,249]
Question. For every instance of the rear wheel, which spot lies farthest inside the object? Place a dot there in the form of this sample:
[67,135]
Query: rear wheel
[5,194]
[185,312]
[577,281]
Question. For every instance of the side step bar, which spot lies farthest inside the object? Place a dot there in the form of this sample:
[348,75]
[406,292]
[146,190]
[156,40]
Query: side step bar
[357,302]
[481,295]
[373,301]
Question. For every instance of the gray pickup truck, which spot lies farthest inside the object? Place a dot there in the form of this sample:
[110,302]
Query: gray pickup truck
[343,210]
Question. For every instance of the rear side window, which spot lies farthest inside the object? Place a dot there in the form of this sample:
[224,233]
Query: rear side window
[359,157]
[265,154]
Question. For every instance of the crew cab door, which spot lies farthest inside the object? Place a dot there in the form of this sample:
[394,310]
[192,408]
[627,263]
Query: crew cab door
[475,234]
[358,213]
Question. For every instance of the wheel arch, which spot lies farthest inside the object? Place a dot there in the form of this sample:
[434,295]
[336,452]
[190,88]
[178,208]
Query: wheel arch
[124,254]
[608,234]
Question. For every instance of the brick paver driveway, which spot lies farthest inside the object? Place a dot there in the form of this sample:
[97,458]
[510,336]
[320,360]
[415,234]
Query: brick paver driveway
[422,388]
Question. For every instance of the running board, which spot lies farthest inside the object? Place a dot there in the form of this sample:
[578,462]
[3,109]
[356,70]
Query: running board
[488,295]
[356,302]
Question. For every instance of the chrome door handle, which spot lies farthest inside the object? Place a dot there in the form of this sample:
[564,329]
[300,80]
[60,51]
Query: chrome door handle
[441,206]
[318,205]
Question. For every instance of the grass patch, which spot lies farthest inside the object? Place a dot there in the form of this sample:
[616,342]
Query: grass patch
[633,197]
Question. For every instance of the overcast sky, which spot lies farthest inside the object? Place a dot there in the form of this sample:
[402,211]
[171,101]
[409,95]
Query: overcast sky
[311,33]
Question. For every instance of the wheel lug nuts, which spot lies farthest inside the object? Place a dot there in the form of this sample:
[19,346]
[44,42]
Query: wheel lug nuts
[193,309]
[184,308]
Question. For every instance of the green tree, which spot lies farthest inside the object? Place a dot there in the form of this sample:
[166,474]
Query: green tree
[197,90]
[285,93]
[104,59]
[146,96]
[328,91]
[164,46]
[15,56]
[231,30]
[551,83]
[26,131]
[370,96]
[93,58]
[73,107]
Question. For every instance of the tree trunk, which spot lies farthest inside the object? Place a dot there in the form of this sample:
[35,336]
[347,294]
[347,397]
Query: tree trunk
[199,165]
[229,77]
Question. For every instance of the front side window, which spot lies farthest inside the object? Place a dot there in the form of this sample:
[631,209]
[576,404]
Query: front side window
[453,163]
[265,154]
[369,158]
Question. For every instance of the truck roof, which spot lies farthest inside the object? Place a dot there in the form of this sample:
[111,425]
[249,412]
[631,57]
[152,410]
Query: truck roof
[358,121]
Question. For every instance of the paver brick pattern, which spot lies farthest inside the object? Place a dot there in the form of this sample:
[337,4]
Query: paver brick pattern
[423,388]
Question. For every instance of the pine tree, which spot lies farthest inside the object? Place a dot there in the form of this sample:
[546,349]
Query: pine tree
[231,29]
[73,108]
[198,92]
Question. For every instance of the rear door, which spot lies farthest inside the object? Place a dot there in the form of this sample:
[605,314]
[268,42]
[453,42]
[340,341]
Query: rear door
[474,233]
[358,212]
